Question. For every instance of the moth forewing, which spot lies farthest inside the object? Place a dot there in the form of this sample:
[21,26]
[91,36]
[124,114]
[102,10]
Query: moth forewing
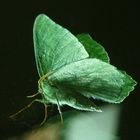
[54,45]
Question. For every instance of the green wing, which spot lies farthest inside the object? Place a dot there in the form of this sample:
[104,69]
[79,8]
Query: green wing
[94,49]
[54,46]
[68,97]
[94,78]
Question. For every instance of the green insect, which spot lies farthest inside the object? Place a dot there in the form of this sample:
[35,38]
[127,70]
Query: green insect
[73,69]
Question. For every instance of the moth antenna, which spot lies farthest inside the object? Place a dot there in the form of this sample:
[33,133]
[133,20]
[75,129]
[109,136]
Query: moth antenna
[59,109]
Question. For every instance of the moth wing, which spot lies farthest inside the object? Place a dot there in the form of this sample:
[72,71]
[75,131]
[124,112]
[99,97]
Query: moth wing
[77,100]
[94,49]
[94,78]
[68,97]
[54,46]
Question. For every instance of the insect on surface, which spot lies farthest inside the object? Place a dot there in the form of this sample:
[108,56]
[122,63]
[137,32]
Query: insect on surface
[73,69]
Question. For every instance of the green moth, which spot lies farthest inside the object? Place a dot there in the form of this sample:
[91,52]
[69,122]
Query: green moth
[73,69]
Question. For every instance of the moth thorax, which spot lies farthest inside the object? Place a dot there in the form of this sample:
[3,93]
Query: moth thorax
[41,85]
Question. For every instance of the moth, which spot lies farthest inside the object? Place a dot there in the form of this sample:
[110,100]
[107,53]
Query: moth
[75,69]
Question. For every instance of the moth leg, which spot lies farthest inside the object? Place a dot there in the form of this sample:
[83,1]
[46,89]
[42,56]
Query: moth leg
[59,109]
[60,112]
[31,96]
[45,114]
[24,108]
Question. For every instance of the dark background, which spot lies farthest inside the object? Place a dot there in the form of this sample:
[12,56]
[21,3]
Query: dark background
[115,24]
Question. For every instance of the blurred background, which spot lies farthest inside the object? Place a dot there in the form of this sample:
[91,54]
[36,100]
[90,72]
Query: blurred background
[114,24]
